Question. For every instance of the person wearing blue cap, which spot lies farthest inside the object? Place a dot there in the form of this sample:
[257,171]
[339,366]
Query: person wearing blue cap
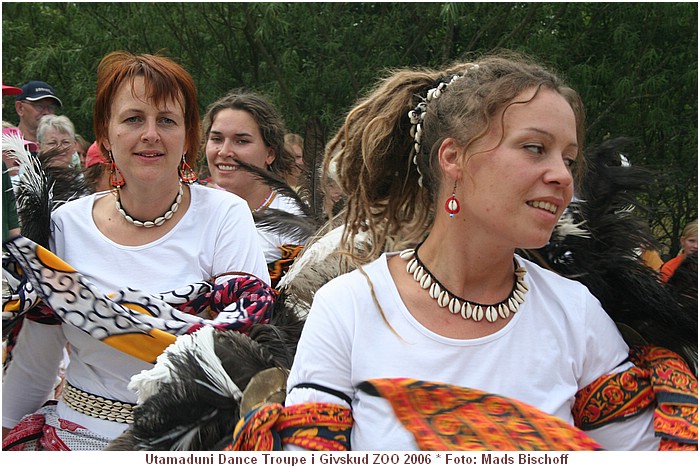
[37,99]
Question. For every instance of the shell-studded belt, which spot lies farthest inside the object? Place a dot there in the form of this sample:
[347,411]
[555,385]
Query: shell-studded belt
[97,406]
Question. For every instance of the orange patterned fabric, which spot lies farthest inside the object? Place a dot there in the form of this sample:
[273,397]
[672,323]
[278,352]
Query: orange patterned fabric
[446,418]
[612,397]
[661,378]
[313,426]
[279,268]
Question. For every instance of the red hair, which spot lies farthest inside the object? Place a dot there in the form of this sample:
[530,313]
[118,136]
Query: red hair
[165,81]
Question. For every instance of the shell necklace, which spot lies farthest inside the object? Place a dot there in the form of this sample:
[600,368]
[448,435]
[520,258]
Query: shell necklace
[457,305]
[156,222]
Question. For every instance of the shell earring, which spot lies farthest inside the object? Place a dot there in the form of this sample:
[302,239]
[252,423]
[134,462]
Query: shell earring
[187,175]
[452,203]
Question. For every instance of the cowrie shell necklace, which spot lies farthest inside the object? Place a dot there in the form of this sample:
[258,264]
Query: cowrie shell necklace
[156,222]
[455,304]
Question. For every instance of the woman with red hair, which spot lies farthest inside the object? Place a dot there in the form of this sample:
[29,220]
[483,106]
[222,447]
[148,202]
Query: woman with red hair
[155,238]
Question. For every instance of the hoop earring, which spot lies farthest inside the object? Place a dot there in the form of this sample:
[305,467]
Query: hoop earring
[452,204]
[187,175]
[116,179]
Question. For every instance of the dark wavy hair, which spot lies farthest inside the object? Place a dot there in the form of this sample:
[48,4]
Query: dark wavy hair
[271,124]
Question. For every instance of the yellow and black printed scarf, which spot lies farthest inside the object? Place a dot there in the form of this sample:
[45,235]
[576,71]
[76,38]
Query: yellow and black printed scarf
[44,288]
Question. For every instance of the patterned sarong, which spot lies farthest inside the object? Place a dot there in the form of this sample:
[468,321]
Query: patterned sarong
[661,378]
[140,324]
[44,430]
[313,426]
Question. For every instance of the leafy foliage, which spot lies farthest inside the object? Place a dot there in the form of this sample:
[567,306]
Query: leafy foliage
[635,64]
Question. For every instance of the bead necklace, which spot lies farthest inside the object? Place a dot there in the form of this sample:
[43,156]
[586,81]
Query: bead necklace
[267,201]
[159,220]
[457,305]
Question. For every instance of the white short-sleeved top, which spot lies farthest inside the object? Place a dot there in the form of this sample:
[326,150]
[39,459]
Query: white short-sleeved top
[559,341]
[216,235]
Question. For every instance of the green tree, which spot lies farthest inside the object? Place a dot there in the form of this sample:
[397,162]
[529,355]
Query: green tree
[635,64]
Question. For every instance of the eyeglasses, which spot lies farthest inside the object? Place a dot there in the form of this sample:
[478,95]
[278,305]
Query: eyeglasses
[58,144]
[51,108]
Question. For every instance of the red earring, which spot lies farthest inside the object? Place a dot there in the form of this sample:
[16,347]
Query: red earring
[187,175]
[452,204]
[116,179]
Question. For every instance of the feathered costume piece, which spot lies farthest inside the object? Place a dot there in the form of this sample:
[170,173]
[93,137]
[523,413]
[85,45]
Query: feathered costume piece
[42,188]
[299,227]
[204,383]
[308,199]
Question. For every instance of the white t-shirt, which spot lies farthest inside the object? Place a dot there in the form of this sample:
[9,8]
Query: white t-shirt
[559,341]
[215,236]
[271,240]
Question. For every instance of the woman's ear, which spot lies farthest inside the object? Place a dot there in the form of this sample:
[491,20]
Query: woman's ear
[271,156]
[450,159]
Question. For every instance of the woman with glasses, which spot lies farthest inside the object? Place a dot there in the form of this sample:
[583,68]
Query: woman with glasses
[56,134]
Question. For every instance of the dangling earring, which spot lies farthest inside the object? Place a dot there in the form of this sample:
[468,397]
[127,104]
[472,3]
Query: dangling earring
[452,204]
[116,179]
[187,175]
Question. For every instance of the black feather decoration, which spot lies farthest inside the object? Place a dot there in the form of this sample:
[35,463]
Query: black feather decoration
[275,183]
[187,413]
[43,188]
[310,188]
[300,227]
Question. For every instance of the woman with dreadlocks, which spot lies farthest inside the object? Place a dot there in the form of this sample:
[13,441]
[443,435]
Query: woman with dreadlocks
[451,340]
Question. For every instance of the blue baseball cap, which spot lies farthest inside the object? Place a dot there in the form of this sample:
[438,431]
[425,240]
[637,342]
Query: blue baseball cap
[35,90]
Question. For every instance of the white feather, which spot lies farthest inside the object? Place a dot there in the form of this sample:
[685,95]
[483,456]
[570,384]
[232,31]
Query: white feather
[317,264]
[314,253]
[13,146]
[201,344]
[567,227]
[32,177]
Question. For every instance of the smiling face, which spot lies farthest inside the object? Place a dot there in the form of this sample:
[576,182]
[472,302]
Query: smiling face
[517,179]
[235,135]
[146,142]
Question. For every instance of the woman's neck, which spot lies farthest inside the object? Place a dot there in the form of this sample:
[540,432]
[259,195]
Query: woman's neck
[147,202]
[260,198]
[481,271]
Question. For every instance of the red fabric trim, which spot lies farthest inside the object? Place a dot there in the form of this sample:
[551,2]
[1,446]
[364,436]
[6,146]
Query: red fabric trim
[313,426]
